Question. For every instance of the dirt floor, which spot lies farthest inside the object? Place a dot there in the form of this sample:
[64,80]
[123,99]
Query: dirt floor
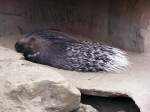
[101,103]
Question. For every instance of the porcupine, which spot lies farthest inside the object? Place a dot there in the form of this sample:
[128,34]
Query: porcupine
[60,51]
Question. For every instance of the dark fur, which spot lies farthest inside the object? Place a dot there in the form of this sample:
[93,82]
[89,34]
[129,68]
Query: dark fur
[63,52]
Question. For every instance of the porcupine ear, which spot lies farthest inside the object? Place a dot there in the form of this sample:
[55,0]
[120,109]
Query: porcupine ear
[32,39]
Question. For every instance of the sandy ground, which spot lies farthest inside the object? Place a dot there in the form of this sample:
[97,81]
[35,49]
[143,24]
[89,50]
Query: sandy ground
[135,80]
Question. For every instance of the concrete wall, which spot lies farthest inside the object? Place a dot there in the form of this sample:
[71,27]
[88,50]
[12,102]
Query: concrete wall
[84,18]
[116,22]
[145,23]
[89,19]
[124,25]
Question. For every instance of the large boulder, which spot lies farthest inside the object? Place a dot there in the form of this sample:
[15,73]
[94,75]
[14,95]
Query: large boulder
[29,87]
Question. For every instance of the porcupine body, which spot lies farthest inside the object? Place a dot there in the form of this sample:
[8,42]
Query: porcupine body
[63,52]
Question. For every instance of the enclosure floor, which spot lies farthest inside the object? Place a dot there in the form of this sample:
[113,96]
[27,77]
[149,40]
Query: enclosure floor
[134,82]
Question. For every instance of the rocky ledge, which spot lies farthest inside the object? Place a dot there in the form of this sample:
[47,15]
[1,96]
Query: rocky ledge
[29,87]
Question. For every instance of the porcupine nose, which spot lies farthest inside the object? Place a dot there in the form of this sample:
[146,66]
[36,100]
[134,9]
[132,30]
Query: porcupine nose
[18,47]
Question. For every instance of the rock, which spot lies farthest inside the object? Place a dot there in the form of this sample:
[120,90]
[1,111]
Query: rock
[29,87]
[86,108]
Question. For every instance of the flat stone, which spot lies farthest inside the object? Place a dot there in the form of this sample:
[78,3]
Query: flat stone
[29,87]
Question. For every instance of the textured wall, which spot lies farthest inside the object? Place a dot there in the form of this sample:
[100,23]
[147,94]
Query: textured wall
[88,19]
[124,24]
[10,17]
[117,22]
[145,23]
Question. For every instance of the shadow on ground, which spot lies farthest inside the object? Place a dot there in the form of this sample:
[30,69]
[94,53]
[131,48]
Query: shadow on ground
[118,104]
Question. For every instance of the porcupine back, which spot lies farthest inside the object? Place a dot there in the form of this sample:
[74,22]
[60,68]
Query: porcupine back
[93,56]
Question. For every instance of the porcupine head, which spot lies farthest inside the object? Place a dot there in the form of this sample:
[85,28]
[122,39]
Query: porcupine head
[33,48]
